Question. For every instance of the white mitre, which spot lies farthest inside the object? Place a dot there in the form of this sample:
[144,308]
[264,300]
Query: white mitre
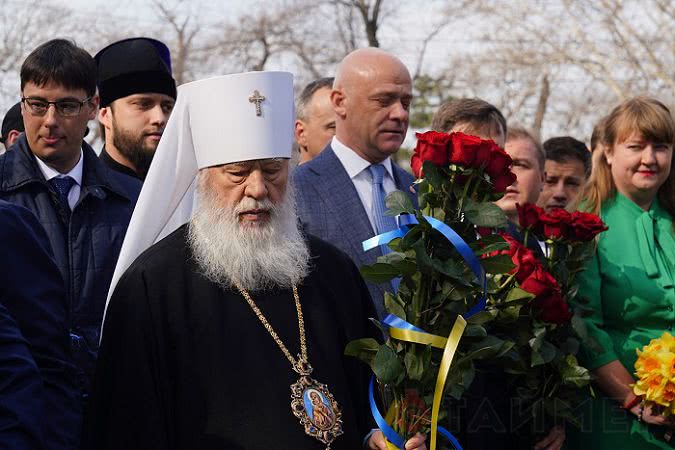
[221,120]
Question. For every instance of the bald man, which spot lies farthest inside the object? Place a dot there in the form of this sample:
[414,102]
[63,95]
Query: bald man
[341,191]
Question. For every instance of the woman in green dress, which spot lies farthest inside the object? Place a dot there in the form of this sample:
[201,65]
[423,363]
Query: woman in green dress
[629,284]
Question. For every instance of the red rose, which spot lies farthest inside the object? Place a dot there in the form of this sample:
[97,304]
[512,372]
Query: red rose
[539,282]
[501,182]
[525,261]
[585,226]
[553,308]
[499,162]
[464,149]
[484,231]
[521,256]
[416,165]
[414,407]
[431,146]
[556,224]
[483,152]
[529,217]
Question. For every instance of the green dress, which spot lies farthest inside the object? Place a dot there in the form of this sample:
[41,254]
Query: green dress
[629,285]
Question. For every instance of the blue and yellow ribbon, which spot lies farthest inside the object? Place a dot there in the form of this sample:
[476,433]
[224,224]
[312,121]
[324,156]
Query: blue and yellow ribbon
[404,331]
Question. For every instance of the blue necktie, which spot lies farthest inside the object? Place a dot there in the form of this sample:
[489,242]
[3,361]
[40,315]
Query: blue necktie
[383,223]
[62,186]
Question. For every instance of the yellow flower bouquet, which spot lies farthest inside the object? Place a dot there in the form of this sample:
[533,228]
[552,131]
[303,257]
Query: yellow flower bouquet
[655,371]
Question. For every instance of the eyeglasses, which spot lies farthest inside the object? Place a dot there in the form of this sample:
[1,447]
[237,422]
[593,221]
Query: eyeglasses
[64,108]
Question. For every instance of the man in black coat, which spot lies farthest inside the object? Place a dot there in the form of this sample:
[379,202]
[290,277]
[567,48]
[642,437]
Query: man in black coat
[84,206]
[39,402]
[137,97]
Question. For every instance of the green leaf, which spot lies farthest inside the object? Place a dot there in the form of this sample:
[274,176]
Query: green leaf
[480,248]
[414,365]
[518,294]
[398,202]
[424,261]
[480,318]
[498,264]
[510,313]
[488,347]
[363,349]
[572,373]
[379,272]
[433,175]
[452,268]
[411,238]
[404,266]
[387,366]
[484,214]
[544,355]
[583,251]
[393,306]
[475,331]
[491,239]
[536,341]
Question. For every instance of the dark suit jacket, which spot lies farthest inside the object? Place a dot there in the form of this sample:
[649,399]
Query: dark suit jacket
[330,208]
[85,242]
[32,293]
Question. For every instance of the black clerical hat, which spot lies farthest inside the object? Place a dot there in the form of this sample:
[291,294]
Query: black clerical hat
[12,121]
[133,66]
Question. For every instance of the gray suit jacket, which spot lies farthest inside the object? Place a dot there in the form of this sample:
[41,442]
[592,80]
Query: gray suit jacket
[330,208]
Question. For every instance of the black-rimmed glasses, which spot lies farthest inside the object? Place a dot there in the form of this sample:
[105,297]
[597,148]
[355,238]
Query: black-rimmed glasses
[65,108]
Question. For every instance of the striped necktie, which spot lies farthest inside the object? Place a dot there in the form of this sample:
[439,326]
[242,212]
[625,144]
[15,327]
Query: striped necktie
[383,223]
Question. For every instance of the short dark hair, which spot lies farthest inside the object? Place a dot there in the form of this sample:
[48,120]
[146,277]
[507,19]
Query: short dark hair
[62,62]
[474,111]
[517,132]
[307,94]
[564,148]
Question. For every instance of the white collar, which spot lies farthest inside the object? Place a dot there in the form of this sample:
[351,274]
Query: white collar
[75,173]
[352,161]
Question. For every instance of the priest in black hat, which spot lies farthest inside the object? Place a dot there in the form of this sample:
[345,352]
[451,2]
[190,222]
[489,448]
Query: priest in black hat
[137,95]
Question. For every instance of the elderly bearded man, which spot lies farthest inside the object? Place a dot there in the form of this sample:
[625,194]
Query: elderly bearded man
[210,334]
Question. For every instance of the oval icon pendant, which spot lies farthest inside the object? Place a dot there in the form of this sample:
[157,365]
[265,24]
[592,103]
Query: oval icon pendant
[316,408]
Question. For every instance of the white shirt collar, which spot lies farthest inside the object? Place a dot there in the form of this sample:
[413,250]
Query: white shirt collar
[75,173]
[352,162]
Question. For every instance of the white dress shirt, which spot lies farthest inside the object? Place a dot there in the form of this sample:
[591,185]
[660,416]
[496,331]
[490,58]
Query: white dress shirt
[75,173]
[357,169]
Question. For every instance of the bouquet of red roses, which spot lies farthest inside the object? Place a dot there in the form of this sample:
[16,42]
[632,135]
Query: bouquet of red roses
[525,314]
[546,375]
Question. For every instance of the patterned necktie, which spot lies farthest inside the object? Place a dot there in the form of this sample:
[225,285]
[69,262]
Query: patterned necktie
[62,186]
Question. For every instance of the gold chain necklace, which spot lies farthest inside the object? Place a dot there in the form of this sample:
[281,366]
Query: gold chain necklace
[311,402]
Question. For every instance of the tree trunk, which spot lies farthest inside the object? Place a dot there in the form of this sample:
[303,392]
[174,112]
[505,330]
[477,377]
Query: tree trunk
[544,94]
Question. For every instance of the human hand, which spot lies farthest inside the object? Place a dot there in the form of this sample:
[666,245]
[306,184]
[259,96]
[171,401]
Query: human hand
[647,414]
[553,440]
[377,442]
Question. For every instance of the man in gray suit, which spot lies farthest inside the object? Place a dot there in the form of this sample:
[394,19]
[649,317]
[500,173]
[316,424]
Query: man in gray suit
[340,193]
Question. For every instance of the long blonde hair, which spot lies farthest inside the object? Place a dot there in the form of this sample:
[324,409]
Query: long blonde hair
[653,120]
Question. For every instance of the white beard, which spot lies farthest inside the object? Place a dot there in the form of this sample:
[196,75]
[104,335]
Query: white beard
[257,257]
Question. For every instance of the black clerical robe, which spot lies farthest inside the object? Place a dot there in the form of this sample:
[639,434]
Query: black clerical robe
[186,364]
[114,165]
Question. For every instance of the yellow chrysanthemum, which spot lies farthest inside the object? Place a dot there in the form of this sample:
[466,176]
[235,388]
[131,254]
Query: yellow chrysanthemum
[655,372]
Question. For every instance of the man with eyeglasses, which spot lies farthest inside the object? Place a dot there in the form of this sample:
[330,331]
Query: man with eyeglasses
[83,205]
[137,96]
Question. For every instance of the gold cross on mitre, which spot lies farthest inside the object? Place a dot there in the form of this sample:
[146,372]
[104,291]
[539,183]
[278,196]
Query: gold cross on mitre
[257,99]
